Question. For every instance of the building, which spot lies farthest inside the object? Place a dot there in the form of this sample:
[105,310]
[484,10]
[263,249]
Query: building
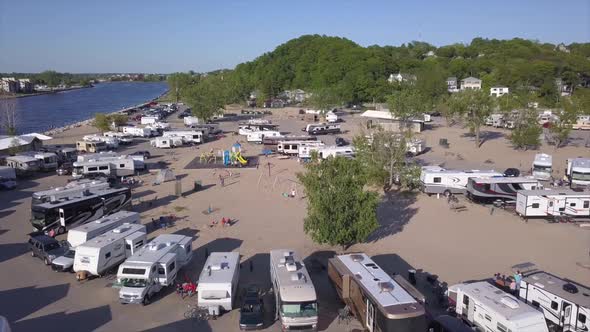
[274,103]
[383,118]
[10,84]
[29,142]
[25,85]
[402,78]
[562,88]
[471,83]
[562,48]
[499,91]
[452,84]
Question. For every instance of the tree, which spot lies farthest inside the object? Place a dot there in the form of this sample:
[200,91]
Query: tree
[8,116]
[323,100]
[526,131]
[118,119]
[206,97]
[340,211]
[406,105]
[178,83]
[562,127]
[51,78]
[475,106]
[102,122]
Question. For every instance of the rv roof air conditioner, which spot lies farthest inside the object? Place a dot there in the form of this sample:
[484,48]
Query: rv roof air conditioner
[385,287]
[356,258]
[215,267]
[291,264]
[510,302]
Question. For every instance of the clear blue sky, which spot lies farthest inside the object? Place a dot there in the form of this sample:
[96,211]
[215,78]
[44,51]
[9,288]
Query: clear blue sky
[167,36]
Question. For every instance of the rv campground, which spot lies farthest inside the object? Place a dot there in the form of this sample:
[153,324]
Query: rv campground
[417,231]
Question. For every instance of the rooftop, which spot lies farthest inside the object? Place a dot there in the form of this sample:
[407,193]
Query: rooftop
[157,248]
[100,223]
[293,278]
[554,285]
[109,237]
[220,267]
[554,192]
[83,196]
[504,179]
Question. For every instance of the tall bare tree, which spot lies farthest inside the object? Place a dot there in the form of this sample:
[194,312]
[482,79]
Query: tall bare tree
[8,116]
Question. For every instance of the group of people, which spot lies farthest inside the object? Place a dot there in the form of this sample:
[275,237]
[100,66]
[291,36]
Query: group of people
[511,283]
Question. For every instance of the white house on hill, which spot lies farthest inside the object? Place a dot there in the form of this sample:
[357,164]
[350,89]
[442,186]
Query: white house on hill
[498,91]
[471,83]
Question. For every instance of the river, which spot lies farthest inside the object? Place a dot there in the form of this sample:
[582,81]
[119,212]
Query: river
[44,112]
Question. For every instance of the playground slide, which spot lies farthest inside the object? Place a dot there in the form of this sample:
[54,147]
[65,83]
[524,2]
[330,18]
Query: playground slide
[241,159]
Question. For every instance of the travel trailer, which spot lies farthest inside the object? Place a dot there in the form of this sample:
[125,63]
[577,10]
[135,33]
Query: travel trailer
[158,127]
[191,121]
[306,151]
[167,142]
[258,136]
[295,297]
[292,147]
[72,189]
[188,136]
[153,267]
[137,131]
[378,301]
[111,142]
[7,177]
[488,308]
[122,137]
[202,128]
[556,202]
[91,147]
[278,139]
[106,251]
[582,123]
[70,212]
[499,188]
[495,120]
[118,166]
[97,156]
[218,283]
[23,165]
[565,304]
[322,128]
[447,182]
[577,172]
[145,120]
[336,151]
[48,161]
[86,232]
[542,166]
[331,117]
[246,128]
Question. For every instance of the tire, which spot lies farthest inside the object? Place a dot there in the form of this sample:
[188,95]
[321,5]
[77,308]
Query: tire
[447,193]
[46,261]
[32,254]
[146,300]
[61,230]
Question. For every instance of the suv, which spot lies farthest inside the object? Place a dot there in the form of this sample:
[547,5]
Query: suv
[145,154]
[46,247]
[252,310]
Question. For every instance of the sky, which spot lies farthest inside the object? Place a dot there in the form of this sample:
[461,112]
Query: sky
[168,36]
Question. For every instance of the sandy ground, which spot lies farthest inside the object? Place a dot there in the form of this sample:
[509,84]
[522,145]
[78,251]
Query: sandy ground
[417,232]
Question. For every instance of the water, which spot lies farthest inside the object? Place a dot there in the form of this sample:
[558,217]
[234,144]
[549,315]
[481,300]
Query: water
[44,112]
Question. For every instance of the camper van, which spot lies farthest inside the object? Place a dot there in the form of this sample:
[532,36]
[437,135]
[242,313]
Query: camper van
[247,128]
[137,131]
[447,182]
[73,211]
[336,151]
[122,137]
[23,165]
[90,147]
[118,166]
[7,177]
[577,172]
[104,252]
[295,297]
[557,202]
[378,301]
[72,189]
[565,304]
[146,120]
[153,267]
[167,142]
[218,283]
[542,166]
[292,147]
[258,136]
[499,188]
[322,128]
[188,136]
[488,308]
[86,232]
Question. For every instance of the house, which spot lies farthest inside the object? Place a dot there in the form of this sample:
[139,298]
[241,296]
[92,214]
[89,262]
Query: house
[385,119]
[29,142]
[471,83]
[274,103]
[402,78]
[10,84]
[25,85]
[430,54]
[452,84]
[562,48]
[498,91]
[562,88]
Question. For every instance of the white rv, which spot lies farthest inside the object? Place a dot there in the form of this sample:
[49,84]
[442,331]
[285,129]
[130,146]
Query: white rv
[97,156]
[218,282]
[72,189]
[153,267]
[23,164]
[47,160]
[490,189]
[191,121]
[86,232]
[557,202]
[292,147]
[305,151]
[104,252]
[137,131]
[331,117]
[91,147]
[582,123]
[189,136]
[336,151]
[122,137]
[145,120]
[295,297]
[258,136]
[565,304]
[442,181]
[246,128]
[322,128]
[542,166]
[118,166]
[111,142]
[158,126]
[489,308]
[167,142]
[578,172]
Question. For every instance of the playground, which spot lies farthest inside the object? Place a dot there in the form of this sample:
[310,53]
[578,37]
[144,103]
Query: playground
[232,158]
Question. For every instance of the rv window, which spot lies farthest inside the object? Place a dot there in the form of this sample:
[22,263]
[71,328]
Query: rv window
[586,204]
[107,255]
[561,209]
[153,268]
[188,249]
[437,180]
[486,186]
[535,205]
[161,270]
[171,267]
[582,318]
[488,317]
[139,244]
[127,246]
[103,168]
[572,204]
[502,328]
[535,304]
[121,165]
[128,270]
[466,300]
[92,169]
[550,204]
[554,305]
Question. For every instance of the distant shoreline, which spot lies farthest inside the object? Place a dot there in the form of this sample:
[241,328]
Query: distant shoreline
[40,93]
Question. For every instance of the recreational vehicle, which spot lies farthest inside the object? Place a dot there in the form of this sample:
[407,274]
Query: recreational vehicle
[97,156]
[202,128]
[145,120]
[104,252]
[48,161]
[295,297]
[111,142]
[91,147]
[322,128]
[72,189]
[23,165]
[542,166]
[246,128]
[558,202]
[218,283]
[258,136]
[292,147]
[578,172]
[499,188]
[336,151]
[277,140]
[118,166]
[153,267]
[86,232]
[379,302]
[137,131]
[447,182]
[488,308]
[331,117]
[167,142]
[73,211]
[565,304]
[122,137]
[582,123]
[158,127]
[191,121]
[189,136]
[7,177]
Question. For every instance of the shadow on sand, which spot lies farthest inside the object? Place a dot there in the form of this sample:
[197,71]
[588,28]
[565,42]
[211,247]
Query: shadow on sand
[393,213]
[21,302]
[85,320]
[11,250]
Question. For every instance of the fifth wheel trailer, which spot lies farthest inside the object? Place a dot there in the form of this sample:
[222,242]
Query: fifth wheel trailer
[557,202]
[218,282]
[442,181]
[495,188]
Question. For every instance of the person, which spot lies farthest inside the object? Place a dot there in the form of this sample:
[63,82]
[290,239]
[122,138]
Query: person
[517,279]
[512,286]
[293,192]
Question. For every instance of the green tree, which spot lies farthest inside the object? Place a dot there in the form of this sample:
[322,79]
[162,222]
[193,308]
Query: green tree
[178,84]
[406,105]
[323,100]
[206,98]
[118,119]
[474,106]
[562,127]
[51,78]
[526,131]
[102,122]
[340,211]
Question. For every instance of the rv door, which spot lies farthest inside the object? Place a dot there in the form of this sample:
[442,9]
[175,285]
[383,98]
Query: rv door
[370,321]
[62,217]
[566,313]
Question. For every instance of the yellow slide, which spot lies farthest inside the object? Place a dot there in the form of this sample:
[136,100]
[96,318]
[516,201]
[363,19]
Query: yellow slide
[241,159]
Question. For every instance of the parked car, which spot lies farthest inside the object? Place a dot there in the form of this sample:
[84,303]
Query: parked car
[341,141]
[46,247]
[6,183]
[65,169]
[252,310]
[145,154]
[184,114]
[512,172]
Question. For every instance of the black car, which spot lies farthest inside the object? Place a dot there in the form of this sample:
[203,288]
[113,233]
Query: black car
[512,172]
[183,115]
[252,310]
[145,154]
[46,247]
[341,141]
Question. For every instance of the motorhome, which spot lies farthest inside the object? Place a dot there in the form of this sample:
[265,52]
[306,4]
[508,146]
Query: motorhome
[70,212]
[331,117]
[447,182]
[565,304]
[247,128]
[378,301]
[292,147]
[258,136]
[122,137]
[153,267]
[97,156]
[86,232]
[336,151]
[72,189]
[542,166]
[556,202]
[191,121]
[218,282]
[295,297]
[111,142]
[67,154]
[582,123]
[145,120]
[48,161]
[495,120]
[7,177]
[167,142]
[23,165]
[489,308]
[106,251]
[158,127]
[322,128]
[118,166]
[290,138]
[188,136]
[137,131]
[577,172]
[91,147]
[499,188]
